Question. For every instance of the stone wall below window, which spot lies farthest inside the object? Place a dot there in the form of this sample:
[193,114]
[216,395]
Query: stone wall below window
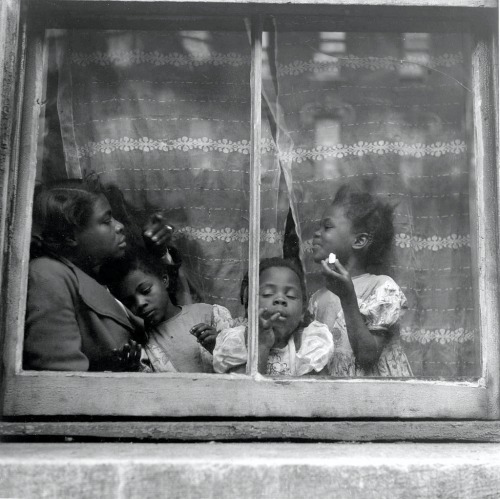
[249,470]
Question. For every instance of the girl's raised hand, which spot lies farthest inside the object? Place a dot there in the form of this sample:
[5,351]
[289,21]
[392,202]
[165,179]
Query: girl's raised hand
[157,234]
[266,320]
[338,280]
[206,335]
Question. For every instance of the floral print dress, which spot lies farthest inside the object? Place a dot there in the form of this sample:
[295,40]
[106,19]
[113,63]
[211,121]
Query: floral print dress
[381,302]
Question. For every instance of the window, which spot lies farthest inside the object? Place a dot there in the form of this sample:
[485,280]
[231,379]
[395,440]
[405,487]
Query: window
[241,143]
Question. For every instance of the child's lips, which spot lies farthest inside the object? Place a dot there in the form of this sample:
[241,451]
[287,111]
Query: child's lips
[282,316]
[147,316]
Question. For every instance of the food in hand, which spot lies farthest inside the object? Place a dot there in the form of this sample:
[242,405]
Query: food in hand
[331,258]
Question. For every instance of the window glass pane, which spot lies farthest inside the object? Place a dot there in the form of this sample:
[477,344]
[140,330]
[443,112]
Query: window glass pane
[386,114]
[161,120]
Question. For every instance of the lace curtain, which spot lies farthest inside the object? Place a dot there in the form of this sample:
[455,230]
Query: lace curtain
[166,118]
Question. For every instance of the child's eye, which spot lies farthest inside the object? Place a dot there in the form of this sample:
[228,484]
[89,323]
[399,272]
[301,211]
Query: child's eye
[145,290]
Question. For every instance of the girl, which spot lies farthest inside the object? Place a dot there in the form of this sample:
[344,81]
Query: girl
[362,310]
[289,343]
[72,322]
[140,283]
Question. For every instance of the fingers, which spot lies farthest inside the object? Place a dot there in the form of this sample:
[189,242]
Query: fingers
[267,314]
[267,317]
[336,272]
[129,353]
[200,328]
[159,236]
[207,335]
[135,351]
[157,229]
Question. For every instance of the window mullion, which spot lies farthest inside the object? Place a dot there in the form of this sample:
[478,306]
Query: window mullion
[255,167]
[484,180]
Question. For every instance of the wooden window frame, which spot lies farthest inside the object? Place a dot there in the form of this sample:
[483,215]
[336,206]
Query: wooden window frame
[166,397]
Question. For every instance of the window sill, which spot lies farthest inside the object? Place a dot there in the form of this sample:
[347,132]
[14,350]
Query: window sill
[249,470]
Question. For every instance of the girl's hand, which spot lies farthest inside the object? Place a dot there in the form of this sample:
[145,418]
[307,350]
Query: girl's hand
[266,333]
[206,335]
[128,358]
[157,234]
[338,280]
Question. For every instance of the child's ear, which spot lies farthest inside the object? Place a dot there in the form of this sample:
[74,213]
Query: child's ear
[166,280]
[362,240]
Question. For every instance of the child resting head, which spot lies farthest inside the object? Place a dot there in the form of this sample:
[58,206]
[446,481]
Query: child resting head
[289,344]
[139,281]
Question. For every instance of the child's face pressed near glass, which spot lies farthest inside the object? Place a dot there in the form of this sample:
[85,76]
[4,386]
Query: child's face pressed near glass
[333,236]
[145,295]
[280,291]
[103,237]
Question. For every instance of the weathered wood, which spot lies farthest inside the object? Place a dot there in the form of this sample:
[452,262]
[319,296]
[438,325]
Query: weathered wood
[182,395]
[484,215]
[361,431]
[10,15]
[255,183]
[310,3]
[399,16]
[15,285]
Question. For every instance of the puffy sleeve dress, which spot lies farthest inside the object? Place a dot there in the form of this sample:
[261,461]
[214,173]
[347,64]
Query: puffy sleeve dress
[309,349]
[382,303]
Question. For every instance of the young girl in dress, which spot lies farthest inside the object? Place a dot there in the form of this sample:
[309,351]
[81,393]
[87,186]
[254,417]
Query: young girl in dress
[362,310]
[290,344]
[141,284]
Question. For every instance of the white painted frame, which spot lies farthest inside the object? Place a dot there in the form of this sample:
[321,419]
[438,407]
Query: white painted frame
[234,396]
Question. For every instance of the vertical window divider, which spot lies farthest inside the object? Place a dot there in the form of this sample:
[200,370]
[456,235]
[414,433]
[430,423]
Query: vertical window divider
[484,220]
[29,105]
[255,183]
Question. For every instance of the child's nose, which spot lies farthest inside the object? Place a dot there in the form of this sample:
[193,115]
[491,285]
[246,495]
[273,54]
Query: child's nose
[118,226]
[140,302]
[279,300]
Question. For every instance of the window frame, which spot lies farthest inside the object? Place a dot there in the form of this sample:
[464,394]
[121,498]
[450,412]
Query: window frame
[133,395]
